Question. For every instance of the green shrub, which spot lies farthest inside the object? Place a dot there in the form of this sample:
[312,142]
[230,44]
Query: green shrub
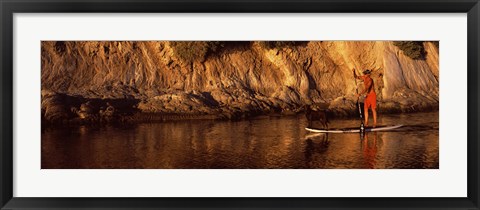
[190,51]
[412,49]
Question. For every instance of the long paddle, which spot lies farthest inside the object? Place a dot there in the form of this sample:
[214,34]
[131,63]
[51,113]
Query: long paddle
[362,126]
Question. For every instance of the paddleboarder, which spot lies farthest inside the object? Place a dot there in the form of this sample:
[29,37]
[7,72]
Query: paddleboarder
[370,95]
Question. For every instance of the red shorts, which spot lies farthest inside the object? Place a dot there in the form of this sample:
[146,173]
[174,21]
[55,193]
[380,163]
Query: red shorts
[371,101]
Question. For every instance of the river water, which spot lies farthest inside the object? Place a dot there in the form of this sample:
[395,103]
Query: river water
[264,143]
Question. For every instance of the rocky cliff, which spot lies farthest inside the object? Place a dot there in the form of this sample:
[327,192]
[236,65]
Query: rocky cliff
[82,79]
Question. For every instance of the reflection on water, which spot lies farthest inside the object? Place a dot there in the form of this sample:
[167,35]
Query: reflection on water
[261,143]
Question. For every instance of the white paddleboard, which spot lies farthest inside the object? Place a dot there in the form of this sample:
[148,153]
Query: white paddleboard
[354,130]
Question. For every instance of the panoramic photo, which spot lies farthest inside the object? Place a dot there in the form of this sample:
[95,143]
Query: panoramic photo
[240,104]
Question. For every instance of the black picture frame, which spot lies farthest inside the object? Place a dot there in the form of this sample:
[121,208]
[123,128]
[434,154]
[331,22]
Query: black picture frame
[9,7]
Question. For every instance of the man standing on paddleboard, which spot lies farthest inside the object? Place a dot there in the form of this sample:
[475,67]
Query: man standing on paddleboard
[370,95]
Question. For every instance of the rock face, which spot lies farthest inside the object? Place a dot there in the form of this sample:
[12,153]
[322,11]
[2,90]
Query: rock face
[238,81]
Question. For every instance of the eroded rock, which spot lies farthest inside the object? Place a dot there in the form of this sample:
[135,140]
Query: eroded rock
[238,82]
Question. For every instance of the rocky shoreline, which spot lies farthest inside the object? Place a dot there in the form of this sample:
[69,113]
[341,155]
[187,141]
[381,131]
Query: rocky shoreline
[61,108]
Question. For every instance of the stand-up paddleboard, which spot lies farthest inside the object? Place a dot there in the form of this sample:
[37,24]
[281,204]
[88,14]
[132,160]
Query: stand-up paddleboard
[354,130]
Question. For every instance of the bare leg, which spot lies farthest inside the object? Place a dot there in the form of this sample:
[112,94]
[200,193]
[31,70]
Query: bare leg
[374,110]
[365,112]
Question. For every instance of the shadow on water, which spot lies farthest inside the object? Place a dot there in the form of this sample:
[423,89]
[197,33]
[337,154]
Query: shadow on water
[267,143]
[314,147]
[416,128]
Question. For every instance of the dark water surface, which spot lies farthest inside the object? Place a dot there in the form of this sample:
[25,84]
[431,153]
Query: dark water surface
[271,142]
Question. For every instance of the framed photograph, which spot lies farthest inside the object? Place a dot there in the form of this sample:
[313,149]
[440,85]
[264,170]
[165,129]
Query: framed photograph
[239,104]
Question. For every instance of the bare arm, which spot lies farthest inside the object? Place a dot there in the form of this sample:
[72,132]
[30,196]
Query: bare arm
[355,74]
